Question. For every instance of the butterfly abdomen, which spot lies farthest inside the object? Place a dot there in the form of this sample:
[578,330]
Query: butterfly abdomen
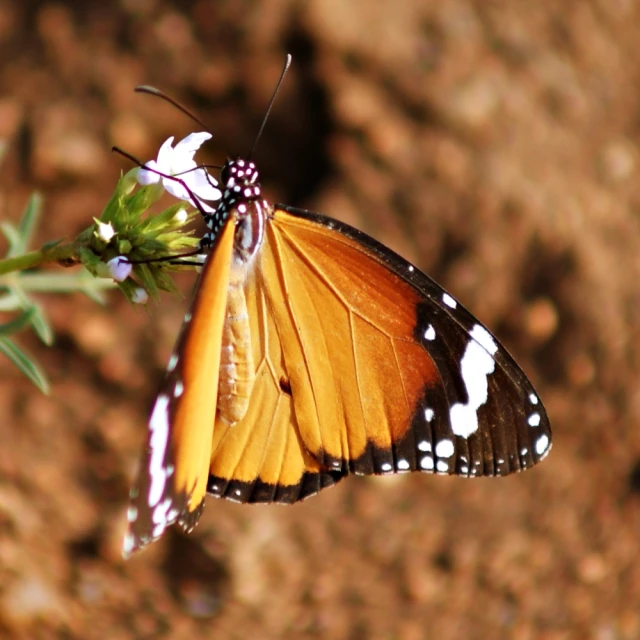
[237,371]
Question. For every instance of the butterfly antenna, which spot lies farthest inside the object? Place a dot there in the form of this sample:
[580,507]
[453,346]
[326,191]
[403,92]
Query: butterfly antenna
[287,64]
[152,91]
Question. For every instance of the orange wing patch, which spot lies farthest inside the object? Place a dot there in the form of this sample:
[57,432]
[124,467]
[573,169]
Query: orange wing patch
[193,420]
[353,322]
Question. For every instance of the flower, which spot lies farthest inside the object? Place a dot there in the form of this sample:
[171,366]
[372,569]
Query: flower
[181,216]
[178,161]
[119,268]
[140,296]
[105,231]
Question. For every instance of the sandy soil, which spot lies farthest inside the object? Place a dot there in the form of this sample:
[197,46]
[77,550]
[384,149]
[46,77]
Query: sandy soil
[495,144]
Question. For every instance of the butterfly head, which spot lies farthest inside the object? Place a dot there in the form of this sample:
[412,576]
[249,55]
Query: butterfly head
[241,187]
[238,175]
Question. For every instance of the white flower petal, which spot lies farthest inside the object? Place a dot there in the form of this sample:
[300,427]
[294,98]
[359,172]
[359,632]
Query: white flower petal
[165,156]
[105,231]
[119,268]
[145,176]
[190,144]
[204,185]
[191,182]
[176,189]
[140,296]
[181,216]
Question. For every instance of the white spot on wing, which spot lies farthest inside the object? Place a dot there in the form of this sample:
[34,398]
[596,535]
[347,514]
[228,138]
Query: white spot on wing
[449,301]
[533,398]
[385,466]
[442,466]
[430,333]
[179,388]
[173,361]
[424,445]
[403,465]
[534,420]
[475,367]
[132,514]
[172,515]
[128,543]
[159,427]
[542,444]
[159,514]
[480,334]
[428,414]
[444,448]
[427,463]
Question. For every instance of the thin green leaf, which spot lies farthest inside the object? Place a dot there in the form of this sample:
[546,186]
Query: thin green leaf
[29,220]
[41,325]
[39,321]
[21,360]
[12,235]
[17,324]
[95,294]
[20,236]
[9,302]
[145,274]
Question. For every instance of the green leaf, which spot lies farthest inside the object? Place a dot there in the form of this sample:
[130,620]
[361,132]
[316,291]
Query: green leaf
[20,236]
[145,274]
[21,360]
[41,325]
[39,321]
[29,221]
[12,235]
[9,301]
[17,324]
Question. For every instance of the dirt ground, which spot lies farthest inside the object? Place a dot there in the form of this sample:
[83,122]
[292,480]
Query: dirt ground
[494,144]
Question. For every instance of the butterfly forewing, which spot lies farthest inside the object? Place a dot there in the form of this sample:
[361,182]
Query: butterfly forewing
[174,469]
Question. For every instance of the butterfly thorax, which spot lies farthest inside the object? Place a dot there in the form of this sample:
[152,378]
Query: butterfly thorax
[242,201]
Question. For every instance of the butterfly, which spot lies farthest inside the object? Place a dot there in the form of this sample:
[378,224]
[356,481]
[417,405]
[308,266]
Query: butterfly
[310,352]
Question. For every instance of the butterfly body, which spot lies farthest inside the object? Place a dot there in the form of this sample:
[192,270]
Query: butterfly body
[310,352]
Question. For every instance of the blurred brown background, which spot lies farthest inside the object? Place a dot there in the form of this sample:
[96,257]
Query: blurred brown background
[494,144]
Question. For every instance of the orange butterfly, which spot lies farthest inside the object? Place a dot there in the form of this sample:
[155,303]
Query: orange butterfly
[311,351]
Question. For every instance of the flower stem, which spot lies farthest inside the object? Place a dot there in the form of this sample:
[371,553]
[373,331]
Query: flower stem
[65,255]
